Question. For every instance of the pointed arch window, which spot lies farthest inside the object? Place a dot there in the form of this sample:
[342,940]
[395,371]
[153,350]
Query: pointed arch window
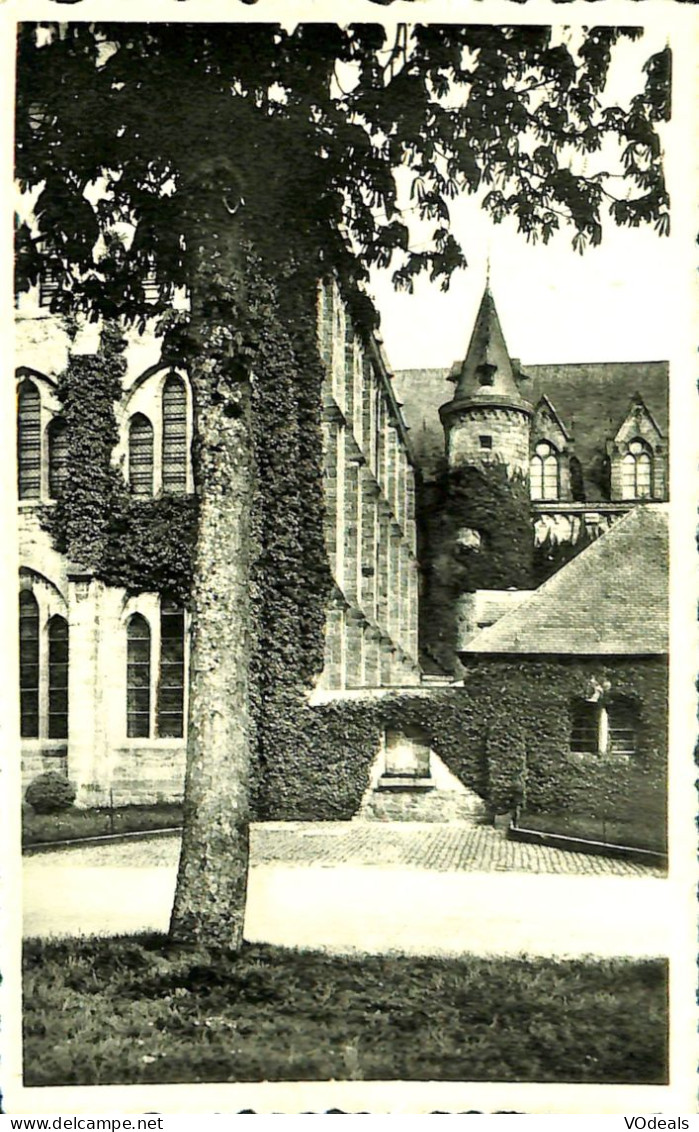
[28,665]
[544,472]
[58,678]
[171,675]
[637,471]
[58,456]
[174,452]
[137,677]
[141,455]
[29,441]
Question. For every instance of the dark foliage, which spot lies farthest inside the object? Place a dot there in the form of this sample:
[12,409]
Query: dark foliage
[150,108]
[505,734]
[50,793]
[477,534]
[78,823]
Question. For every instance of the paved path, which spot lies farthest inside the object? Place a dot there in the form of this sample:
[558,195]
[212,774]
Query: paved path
[443,848]
[420,894]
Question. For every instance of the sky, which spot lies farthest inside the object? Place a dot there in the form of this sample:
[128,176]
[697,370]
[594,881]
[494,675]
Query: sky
[613,303]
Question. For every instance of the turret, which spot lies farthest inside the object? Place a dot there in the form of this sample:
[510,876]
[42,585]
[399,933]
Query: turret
[488,420]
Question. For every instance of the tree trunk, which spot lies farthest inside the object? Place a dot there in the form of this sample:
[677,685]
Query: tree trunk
[209,905]
[212,880]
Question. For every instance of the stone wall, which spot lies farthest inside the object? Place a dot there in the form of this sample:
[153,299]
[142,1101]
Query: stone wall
[371,631]
[506,430]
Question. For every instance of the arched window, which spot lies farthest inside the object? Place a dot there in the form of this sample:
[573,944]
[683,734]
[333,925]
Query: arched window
[174,435]
[141,455]
[138,677]
[58,678]
[58,456]
[29,442]
[171,676]
[29,665]
[544,472]
[637,471]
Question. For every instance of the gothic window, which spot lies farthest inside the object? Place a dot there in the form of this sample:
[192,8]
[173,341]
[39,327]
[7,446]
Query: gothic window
[58,678]
[141,455]
[29,442]
[28,665]
[637,471]
[543,472]
[171,676]
[58,456]
[174,450]
[137,677]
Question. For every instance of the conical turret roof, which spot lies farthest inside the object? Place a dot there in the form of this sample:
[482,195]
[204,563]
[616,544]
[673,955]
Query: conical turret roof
[486,374]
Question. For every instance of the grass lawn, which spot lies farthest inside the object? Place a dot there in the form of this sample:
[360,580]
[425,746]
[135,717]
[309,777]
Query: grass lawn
[93,823]
[639,832]
[138,1009]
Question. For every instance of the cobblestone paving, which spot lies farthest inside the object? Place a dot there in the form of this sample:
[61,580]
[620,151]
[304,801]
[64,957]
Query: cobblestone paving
[441,848]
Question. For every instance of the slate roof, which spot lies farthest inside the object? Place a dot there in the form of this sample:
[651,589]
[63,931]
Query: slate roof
[487,350]
[611,599]
[591,398]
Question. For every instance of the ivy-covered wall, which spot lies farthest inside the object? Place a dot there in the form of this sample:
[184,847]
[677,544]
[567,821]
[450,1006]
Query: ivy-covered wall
[476,533]
[505,734]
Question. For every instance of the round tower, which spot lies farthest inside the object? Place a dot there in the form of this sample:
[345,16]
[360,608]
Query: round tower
[488,420]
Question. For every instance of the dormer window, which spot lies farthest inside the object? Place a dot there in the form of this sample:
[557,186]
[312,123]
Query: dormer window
[486,373]
[486,443]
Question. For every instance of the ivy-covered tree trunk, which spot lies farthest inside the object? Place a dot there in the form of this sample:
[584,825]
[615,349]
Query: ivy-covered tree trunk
[209,902]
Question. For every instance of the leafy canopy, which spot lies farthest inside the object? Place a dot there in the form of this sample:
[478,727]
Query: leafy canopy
[329,140]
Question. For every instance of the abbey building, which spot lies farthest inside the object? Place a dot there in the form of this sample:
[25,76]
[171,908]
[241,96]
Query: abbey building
[103,673]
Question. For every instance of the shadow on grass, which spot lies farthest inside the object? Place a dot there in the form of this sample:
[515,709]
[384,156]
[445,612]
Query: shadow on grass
[140,1009]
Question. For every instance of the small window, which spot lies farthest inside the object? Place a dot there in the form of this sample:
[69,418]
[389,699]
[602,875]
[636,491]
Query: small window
[29,442]
[584,728]
[58,678]
[171,682]
[486,373]
[138,678]
[28,665]
[141,455]
[58,456]
[485,442]
[407,753]
[174,450]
